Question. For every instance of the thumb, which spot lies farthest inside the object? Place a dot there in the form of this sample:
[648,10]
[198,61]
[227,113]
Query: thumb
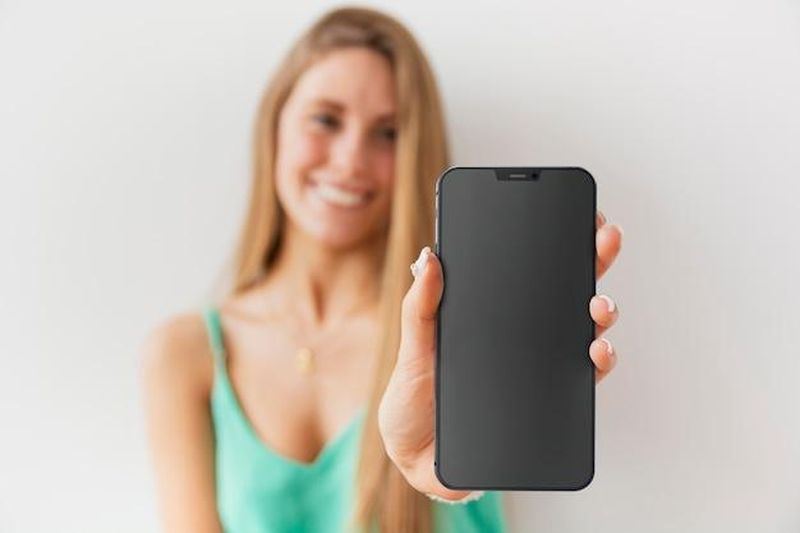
[420,305]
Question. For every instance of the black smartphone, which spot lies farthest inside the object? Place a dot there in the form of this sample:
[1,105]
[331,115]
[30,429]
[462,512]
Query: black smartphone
[514,381]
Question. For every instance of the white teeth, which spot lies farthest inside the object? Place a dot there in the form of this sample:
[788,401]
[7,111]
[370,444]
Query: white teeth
[338,196]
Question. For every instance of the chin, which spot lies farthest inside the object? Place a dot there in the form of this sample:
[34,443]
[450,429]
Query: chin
[334,236]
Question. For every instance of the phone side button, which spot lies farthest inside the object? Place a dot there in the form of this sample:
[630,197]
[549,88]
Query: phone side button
[436,229]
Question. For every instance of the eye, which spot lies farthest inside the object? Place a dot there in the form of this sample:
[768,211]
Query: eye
[388,133]
[326,119]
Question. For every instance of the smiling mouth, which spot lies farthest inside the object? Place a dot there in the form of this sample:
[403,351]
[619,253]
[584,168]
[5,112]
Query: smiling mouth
[337,196]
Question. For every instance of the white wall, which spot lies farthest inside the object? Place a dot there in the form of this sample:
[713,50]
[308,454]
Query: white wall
[124,136]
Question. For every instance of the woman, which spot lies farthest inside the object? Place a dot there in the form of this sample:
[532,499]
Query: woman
[303,401]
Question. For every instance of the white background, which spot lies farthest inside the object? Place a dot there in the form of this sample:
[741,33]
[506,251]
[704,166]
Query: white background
[124,143]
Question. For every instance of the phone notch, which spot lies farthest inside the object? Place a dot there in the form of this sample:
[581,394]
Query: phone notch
[517,174]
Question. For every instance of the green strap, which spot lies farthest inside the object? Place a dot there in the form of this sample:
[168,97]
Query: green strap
[214,328]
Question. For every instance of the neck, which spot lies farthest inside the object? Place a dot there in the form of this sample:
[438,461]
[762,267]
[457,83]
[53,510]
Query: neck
[324,285]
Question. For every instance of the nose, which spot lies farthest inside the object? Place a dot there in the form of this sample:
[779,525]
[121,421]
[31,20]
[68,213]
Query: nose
[349,152]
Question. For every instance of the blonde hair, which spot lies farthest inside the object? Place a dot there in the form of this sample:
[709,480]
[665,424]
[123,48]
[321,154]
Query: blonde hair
[383,497]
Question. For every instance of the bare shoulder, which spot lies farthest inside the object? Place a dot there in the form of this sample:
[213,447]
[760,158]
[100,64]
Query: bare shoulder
[177,353]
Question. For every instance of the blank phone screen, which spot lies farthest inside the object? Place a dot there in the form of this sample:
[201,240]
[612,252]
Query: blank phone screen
[514,381]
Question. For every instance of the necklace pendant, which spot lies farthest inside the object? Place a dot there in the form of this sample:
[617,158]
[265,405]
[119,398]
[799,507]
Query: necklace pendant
[305,360]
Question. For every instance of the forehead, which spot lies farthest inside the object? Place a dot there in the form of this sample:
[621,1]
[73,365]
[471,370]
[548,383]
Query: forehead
[359,79]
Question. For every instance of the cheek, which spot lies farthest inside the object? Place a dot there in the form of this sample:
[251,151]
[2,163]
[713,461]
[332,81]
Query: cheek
[297,153]
[385,166]
[302,150]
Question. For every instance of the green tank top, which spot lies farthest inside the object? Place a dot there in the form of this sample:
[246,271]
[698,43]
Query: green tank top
[261,491]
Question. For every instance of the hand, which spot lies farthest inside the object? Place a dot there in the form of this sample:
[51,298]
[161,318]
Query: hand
[406,412]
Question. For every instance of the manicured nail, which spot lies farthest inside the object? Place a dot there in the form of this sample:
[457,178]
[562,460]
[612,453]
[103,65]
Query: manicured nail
[608,346]
[419,265]
[611,305]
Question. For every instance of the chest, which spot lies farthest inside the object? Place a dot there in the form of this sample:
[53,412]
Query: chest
[296,408]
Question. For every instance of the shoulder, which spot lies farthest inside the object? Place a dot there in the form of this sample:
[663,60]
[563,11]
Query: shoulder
[176,353]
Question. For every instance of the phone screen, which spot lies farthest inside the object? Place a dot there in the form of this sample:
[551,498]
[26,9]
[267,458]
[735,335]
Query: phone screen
[514,381]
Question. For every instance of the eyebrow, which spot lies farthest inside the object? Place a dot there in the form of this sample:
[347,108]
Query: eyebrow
[326,102]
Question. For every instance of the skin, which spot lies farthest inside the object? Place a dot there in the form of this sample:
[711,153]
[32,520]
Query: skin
[336,127]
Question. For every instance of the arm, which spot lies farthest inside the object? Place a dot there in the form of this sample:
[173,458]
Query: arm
[177,372]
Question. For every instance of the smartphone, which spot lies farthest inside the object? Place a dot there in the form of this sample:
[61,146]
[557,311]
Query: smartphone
[514,381]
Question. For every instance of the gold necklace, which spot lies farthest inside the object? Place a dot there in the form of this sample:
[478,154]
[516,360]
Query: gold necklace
[304,356]
[304,360]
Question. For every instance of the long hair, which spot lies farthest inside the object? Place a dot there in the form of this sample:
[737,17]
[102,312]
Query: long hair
[383,497]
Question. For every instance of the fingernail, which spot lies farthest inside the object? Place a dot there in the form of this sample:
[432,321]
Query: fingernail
[602,218]
[419,265]
[611,305]
[608,346]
